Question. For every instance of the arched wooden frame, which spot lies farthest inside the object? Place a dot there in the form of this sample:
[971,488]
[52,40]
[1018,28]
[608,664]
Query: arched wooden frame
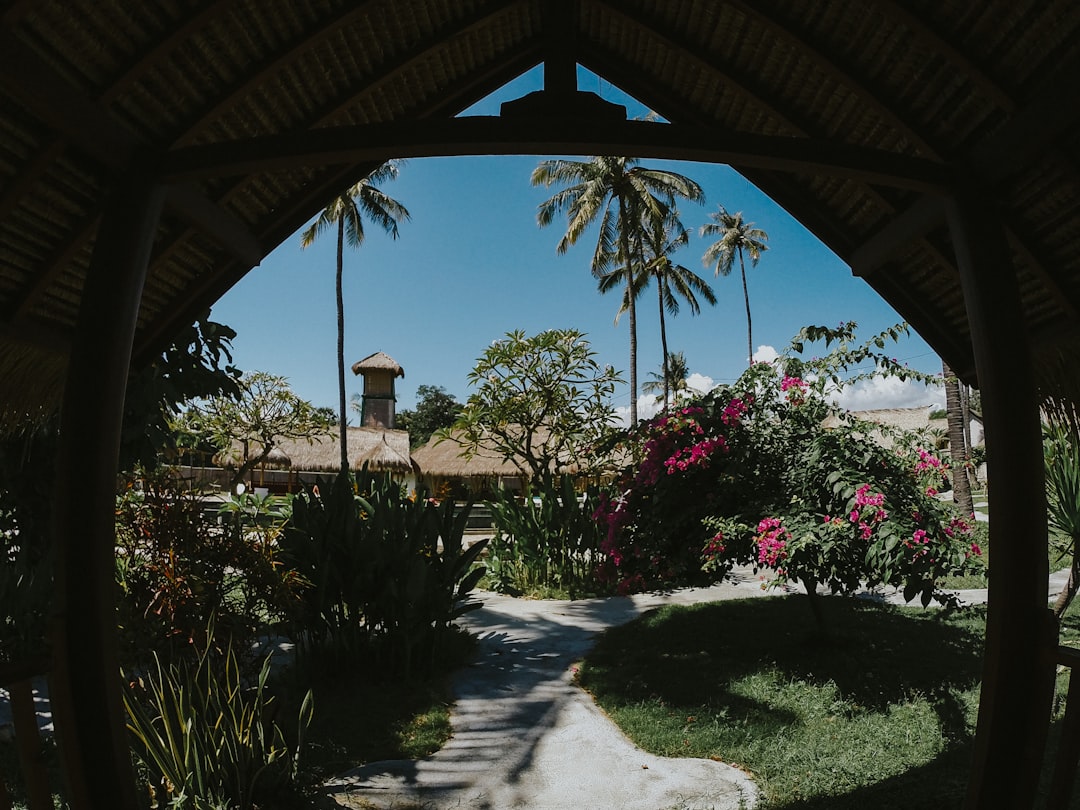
[1015,704]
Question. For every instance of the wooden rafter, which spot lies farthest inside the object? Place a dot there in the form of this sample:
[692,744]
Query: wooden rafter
[842,75]
[933,41]
[734,79]
[300,207]
[491,136]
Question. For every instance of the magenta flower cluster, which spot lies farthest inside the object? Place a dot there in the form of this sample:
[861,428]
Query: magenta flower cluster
[772,539]
[869,512]
[795,388]
[735,410]
[695,456]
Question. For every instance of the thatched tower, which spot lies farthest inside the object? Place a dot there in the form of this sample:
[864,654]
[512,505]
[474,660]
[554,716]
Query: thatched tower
[379,371]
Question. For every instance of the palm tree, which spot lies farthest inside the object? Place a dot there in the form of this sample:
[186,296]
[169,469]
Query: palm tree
[958,454]
[616,191]
[347,211]
[736,239]
[677,372]
[664,235]
[1061,448]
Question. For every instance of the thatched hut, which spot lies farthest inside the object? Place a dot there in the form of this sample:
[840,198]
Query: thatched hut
[315,459]
[913,419]
[445,468]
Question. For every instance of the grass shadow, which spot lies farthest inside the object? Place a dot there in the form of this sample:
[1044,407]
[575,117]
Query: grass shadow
[884,701]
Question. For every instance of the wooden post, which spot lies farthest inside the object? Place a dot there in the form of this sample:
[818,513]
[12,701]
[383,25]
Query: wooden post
[1021,636]
[85,687]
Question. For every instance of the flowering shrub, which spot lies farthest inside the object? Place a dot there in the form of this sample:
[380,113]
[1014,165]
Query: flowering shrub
[750,475]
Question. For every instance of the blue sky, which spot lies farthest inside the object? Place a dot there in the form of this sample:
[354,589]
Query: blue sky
[472,264]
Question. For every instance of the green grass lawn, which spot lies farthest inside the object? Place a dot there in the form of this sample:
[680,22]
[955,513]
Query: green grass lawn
[878,713]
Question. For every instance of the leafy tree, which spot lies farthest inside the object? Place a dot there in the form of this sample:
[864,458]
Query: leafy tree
[618,192]
[749,474]
[541,401]
[196,365]
[737,238]
[664,235]
[435,410]
[347,212]
[265,412]
[677,373]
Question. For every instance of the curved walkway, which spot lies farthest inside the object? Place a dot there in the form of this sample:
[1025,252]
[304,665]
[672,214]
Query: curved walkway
[526,737]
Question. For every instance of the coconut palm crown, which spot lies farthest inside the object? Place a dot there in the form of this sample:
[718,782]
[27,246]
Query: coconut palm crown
[616,192]
[737,238]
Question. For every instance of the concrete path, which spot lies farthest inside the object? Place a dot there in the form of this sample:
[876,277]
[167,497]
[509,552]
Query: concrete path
[526,737]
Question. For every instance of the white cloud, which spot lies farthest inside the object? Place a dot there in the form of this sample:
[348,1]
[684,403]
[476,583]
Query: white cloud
[699,382]
[647,408]
[765,354]
[888,392]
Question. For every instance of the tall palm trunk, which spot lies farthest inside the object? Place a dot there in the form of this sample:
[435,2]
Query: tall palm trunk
[957,447]
[341,346]
[663,341]
[631,308]
[746,299]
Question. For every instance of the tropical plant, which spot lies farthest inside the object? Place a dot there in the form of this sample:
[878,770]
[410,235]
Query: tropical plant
[677,374]
[737,238]
[178,570]
[548,541]
[196,365]
[347,212]
[207,738]
[664,234]
[388,575]
[541,402]
[620,193]
[265,411]
[26,559]
[1062,454]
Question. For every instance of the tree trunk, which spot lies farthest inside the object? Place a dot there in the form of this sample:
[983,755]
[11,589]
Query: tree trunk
[624,239]
[1066,596]
[663,343]
[746,300]
[958,458]
[341,348]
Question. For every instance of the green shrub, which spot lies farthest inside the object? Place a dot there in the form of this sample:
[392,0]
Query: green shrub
[207,740]
[546,542]
[388,575]
[178,569]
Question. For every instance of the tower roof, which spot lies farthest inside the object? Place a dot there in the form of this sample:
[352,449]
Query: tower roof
[378,361]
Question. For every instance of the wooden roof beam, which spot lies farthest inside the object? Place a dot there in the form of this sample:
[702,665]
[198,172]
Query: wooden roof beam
[743,85]
[257,76]
[81,122]
[909,225]
[300,207]
[493,136]
[933,41]
[769,19]
[1051,110]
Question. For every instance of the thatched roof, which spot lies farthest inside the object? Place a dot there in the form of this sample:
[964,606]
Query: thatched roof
[904,418]
[446,459]
[856,117]
[378,361]
[381,450]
